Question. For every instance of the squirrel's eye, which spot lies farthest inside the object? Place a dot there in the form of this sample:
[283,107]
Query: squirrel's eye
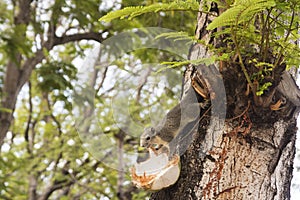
[148,138]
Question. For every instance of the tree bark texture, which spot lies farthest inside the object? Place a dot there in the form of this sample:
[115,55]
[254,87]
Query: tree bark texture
[250,155]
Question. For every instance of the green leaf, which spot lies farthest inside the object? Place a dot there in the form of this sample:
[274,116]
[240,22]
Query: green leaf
[131,12]
[263,88]
[177,36]
[241,11]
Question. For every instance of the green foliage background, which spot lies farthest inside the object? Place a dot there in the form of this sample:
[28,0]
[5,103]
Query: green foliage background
[42,149]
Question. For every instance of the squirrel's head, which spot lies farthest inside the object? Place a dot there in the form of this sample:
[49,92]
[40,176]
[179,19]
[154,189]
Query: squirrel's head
[147,137]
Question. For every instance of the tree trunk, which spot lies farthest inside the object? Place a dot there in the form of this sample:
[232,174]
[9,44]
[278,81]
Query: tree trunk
[250,155]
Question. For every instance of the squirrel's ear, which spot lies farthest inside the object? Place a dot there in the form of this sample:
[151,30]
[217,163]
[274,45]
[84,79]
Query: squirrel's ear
[152,130]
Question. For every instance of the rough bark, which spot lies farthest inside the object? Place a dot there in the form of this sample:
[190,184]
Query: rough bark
[251,155]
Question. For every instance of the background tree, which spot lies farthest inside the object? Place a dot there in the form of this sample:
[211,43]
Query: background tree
[42,43]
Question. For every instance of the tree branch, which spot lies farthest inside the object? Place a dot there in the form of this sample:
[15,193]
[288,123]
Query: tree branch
[26,134]
[23,16]
[56,186]
[142,83]
[102,80]
[77,37]
[32,187]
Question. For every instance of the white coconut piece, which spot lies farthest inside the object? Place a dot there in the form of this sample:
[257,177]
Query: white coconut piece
[167,178]
[157,172]
[153,165]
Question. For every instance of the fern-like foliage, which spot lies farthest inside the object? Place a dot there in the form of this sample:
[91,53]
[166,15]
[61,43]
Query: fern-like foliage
[177,36]
[241,11]
[206,61]
[132,12]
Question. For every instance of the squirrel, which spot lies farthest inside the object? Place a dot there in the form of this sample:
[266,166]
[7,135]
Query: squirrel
[156,140]
[178,122]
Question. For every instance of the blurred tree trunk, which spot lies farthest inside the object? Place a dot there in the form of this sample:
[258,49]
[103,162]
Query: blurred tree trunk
[251,156]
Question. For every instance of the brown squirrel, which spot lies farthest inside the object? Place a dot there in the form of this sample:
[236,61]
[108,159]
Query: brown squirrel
[176,124]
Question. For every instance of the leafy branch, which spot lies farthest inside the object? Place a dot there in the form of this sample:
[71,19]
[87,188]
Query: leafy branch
[177,36]
[131,12]
[252,27]
[241,11]
[248,21]
[206,61]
